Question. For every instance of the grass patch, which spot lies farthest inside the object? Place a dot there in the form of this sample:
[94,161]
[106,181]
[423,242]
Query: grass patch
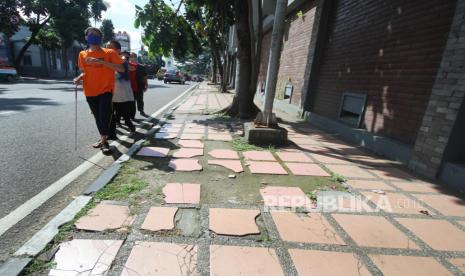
[38,267]
[338,178]
[241,144]
[125,184]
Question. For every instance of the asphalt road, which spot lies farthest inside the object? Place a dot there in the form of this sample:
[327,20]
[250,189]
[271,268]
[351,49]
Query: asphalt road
[37,134]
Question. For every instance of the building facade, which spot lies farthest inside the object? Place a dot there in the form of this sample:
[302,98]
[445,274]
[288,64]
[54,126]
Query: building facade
[124,39]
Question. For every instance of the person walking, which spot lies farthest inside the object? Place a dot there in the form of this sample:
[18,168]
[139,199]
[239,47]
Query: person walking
[139,83]
[123,96]
[98,66]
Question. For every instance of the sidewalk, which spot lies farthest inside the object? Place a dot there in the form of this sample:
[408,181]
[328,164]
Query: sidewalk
[197,200]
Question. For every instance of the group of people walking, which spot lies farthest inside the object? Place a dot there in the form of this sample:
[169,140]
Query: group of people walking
[114,84]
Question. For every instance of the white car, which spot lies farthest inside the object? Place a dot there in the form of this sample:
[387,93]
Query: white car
[8,73]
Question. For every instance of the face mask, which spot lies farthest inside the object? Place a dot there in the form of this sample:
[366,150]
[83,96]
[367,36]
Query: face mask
[94,39]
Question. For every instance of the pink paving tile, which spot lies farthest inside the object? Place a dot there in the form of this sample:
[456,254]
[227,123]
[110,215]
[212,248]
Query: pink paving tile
[238,260]
[266,168]
[185,165]
[304,141]
[314,148]
[294,157]
[421,187]
[219,137]
[234,222]
[395,203]
[392,174]
[191,143]
[188,153]
[330,158]
[191,136]
[369,185]
[160,259]
[307,169]
[153,152]
[306,228]
[182,193]
[85,257]
[458,263]
[276,196]
[159,218]
[327,263]
[234,165]
[349,171]
[194,130]
[446,204]
[165,136]
[428,230]
[408,265]
[224,154]
[105,217]
[373,231]
[258,155]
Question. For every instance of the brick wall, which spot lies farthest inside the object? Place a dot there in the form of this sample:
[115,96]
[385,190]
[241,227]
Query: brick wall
[294,55]
[389,50]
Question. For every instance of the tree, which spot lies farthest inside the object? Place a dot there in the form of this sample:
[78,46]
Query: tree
[67,18]
[9,17]
[108,30]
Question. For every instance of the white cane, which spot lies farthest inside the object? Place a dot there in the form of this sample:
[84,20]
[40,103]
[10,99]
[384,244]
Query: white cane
[75,117]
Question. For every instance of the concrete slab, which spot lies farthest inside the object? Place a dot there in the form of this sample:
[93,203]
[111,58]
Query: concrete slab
[408,265]
[287,156]
[103,179]
[277,196]
[256,155]
[159,218]
[191,144]
[223,154]
[105,217]
[188,153]
[234,222]
[306,169]
[182,193]
[153,152]
[264,136]
[266,168]
[14,266]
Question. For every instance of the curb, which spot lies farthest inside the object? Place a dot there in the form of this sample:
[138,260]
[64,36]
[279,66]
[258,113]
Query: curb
[25,254]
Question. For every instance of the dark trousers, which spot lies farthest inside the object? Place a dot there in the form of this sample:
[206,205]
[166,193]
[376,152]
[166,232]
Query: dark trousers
[123,110]
[101,107]
[139,97]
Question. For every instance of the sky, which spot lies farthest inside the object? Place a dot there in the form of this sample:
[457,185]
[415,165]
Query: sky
[122,14]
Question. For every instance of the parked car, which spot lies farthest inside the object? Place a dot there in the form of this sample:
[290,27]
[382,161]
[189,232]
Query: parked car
[8,73]
[173,75]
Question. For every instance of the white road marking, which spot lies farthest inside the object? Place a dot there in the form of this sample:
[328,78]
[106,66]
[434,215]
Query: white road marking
[29,206]
[7,113]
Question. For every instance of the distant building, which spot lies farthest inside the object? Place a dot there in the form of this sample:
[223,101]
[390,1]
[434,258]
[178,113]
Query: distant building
[124,39]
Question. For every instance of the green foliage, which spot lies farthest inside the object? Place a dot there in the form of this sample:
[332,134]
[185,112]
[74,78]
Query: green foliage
[300,14]
[108,30]
[338,178]
[9,17]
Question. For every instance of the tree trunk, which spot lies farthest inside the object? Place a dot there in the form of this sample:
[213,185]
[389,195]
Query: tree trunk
[31,40]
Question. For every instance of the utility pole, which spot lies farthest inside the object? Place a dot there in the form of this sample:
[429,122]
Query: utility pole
[267,118]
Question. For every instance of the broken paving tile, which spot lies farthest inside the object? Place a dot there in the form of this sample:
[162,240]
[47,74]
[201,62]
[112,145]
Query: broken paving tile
[242,260]
[159,218]
[258,155]
[234,222]
[186,193]
[219,137]
[89,257]
[234,165]
[105,217]
[165,136]
[185,165]
[276,196]
[224,154]
[288,156]
[191,143]
[306,169]
[266,168]
[187,153]
[153,152]
[157,258]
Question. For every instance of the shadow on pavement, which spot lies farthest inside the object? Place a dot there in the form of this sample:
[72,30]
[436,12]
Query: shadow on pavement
[23,103]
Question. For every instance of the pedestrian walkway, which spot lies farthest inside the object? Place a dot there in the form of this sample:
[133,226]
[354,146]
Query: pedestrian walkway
[210,204]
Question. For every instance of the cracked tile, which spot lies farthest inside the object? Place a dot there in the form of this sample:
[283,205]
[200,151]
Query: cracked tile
[428,229]
[349,171]
[395,203]
[306,169]
[157,258]
[287,156]
[313,262]
[219,137]
[165,136]
[238,260]
[256,155]
[234,222]
[188,153]
[305,228]
[374,231]
[89,257]
[266,168]
[458,263]
[159,218]
[191,143]
[105,217]
[224,154]
[408,265]
[182,193]
[234,165]
[369,185]
[446,204]
[153,152]
[185,165]
[276,196]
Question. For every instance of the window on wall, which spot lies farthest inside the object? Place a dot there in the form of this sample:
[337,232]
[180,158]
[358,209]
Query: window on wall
[352,109]
[27,60]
